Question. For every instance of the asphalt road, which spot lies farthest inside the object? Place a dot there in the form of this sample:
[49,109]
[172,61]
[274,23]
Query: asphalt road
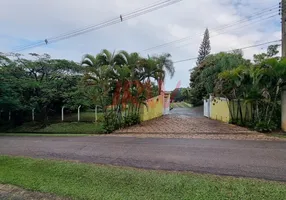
[260,159]
[190,112]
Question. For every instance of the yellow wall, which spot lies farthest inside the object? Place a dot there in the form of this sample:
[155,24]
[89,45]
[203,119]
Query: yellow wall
[246,111]
[219,109]
[154,109]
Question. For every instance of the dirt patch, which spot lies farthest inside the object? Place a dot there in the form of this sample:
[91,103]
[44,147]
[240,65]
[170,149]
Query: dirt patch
[9,192]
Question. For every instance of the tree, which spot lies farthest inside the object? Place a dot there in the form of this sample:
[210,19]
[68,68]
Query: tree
[204,78]
[105,57]
[259,86]
[164,64]
[41,83]
[272,50]
[197,88]
[205,48]
[121,82]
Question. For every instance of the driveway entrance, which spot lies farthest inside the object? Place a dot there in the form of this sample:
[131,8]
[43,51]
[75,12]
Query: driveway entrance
[184,121]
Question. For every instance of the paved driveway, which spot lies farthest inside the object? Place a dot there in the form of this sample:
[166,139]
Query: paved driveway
[190,112]
[259,159]
[185,121]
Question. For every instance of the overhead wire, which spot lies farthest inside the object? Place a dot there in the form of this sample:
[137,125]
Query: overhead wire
[243,48]
[133,14]
[245,25]
[249,18]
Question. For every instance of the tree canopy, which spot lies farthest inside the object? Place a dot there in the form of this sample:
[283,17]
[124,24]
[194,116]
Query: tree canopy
[45,84]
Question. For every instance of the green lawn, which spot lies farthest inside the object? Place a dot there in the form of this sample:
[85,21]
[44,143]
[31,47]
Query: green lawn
[87,181]
[84,116]
[279,135]
[65,127]
[73,127]
[45,134]
[181,105]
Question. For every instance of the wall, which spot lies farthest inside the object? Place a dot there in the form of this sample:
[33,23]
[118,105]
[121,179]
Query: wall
[244,107]
[223,110]
[166,108]
[219,109]
[207,107]
[154,109]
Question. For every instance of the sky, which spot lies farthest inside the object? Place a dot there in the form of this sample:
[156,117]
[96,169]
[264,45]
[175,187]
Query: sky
[30,21]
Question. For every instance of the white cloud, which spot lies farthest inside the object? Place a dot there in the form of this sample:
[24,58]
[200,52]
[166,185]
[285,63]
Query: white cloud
[36,20]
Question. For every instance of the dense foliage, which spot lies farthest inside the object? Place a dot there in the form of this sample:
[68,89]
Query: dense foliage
[259,86]
[118,82]
[253,88]
[41,83]
[121,82]
[204,76]
[180,94]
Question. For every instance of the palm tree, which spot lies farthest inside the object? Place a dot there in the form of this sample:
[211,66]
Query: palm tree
[164,63]
[105,57]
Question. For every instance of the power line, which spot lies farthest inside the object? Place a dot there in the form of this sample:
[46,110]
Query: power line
[254,16]
[247,47]
[125,17]
[245,25]
[188,59]
[102,25]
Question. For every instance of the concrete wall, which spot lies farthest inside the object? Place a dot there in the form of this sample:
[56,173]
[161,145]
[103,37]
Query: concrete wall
[219,109]
[154,109]
[246,111]
[223,110]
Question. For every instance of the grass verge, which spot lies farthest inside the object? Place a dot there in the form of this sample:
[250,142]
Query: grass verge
[181,105]
[279,135]
[73,127]
[59,128]
[44,134]
[87,181]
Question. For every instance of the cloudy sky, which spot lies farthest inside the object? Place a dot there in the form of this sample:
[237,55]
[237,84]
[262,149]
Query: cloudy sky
[31,21]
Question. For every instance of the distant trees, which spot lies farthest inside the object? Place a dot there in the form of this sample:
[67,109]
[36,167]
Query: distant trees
[181,94]
[205,48]
[195,83]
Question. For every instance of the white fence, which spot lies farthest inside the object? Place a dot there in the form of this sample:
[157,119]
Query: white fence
[207,108]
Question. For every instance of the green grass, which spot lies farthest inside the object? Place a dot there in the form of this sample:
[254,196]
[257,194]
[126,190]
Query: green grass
[45,134]
[73,127]
[279,135]
[84,116]
[86,181]
[181,105]
[65,127]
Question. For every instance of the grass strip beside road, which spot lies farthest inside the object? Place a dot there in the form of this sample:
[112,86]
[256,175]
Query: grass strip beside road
[60,128]
[45,134]
[88,181]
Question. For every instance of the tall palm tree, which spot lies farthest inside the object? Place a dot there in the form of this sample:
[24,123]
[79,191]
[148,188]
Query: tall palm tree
[105,57]
[165,64]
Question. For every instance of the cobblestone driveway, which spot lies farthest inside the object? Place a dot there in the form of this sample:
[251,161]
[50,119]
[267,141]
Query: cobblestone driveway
[184,121]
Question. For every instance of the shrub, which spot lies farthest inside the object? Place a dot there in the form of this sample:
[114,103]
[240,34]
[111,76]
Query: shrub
[131,120]
[113,122]
[110,122]
[265,127]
